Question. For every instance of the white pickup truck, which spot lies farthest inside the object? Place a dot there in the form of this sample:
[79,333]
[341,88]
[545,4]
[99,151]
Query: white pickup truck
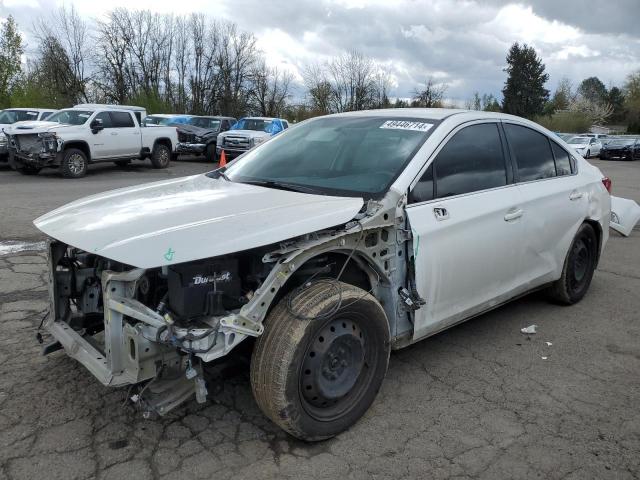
[72,138]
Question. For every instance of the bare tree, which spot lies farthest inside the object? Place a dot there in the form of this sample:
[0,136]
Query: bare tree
[319,89]
[429,96]
[269,90]
[65,37]
[352,77]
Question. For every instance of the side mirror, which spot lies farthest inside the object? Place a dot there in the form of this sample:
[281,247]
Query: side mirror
[96,125]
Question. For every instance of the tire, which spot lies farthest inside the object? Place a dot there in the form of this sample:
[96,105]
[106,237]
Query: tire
[161,156]
[578,268]
[314,396]
[74,163]
[211,153]
[122,163]
[588,154]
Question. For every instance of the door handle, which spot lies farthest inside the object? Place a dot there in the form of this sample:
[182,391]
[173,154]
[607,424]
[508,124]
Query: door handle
[513,215]
[440,213]
[576,195]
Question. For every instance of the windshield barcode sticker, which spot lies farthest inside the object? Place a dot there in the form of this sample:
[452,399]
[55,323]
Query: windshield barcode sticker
[405,125]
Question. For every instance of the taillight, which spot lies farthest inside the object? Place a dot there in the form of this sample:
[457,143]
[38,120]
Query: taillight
[606,181]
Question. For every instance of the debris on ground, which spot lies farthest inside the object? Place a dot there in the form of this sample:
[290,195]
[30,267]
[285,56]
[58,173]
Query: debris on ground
[529,330]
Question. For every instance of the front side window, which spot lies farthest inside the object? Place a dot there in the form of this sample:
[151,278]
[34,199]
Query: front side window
[70,117]
[122,120]
[472,160]
[349,156]
[532,153]
[105,118]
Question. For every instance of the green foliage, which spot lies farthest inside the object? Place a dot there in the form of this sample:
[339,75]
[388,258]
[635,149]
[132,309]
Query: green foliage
[524,93]
[11,50]
[153,103]
[632,102]
[565,121]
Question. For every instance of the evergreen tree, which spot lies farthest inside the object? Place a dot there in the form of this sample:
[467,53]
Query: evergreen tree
[593,90]
[11,50]
[524,93]
[616,99]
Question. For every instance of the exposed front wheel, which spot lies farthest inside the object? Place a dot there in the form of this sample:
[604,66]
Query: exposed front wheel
[578,268]
[321,359]
[161,156]
[74,163]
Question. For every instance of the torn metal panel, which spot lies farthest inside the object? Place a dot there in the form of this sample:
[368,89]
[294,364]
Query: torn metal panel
[625,214]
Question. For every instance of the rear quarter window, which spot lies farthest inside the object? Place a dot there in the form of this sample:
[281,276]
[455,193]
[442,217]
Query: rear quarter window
[563,159]
[532,153]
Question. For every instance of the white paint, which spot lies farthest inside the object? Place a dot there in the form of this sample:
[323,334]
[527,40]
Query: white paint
[190,218]
[625,213]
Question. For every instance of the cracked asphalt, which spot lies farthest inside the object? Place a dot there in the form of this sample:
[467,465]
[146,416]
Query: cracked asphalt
[475,402]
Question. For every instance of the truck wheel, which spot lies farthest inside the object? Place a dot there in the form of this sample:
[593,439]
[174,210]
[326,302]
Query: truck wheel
[161,156]
[578,268]
[320,362]
[74,163]
[211,153]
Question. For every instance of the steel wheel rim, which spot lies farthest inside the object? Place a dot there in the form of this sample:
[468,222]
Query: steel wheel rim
[76,163]
[581,263]
[335,370]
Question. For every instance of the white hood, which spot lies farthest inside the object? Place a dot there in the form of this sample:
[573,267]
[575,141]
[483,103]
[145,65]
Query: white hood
[35,126]
[190,218]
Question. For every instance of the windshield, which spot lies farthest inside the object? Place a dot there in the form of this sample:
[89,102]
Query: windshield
[622,141]
[13,116]
[350,156]
[70,117]
[579,140]
[257,124]
[211,123]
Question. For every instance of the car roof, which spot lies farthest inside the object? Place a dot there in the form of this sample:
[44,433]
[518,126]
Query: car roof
[97,106]
[24,109]
[170,115]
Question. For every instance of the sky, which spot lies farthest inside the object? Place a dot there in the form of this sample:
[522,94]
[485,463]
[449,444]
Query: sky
[461,44]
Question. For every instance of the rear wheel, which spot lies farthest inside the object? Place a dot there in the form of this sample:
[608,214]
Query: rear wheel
[578,268]
[321,359]
[161,156]
[74,163]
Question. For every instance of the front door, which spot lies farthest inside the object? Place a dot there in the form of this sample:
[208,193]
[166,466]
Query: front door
[128,135]
[466,219]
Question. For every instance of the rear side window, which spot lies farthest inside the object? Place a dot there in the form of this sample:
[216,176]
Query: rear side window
[122,120]
[563,161]
[532,152]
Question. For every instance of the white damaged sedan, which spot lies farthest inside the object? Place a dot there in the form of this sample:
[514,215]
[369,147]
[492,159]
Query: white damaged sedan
[331,244]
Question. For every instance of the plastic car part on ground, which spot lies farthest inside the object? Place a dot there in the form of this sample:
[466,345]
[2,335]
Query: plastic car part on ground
[529,330]
[625,214]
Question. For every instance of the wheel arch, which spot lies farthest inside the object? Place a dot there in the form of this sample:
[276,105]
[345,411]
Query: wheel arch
[599,234]
[166,141]
[80,145]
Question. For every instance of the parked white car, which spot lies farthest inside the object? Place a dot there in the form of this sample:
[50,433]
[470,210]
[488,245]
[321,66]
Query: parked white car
[10,116]
[586,146]
[340,239]
[72,138]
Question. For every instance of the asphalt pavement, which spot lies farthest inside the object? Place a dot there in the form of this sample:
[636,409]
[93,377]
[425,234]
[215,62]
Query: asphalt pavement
[479,401]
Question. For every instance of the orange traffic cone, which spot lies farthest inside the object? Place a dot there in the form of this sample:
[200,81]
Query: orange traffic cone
[223,160]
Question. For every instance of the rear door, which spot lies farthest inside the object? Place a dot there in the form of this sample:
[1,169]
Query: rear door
[554,200]
[466,219]
[127,131]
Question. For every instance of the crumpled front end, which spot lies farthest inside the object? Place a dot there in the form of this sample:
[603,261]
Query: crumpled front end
[35,149]
[127,325]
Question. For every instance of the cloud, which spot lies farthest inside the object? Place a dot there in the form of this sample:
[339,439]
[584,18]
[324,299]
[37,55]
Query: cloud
[461,43]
